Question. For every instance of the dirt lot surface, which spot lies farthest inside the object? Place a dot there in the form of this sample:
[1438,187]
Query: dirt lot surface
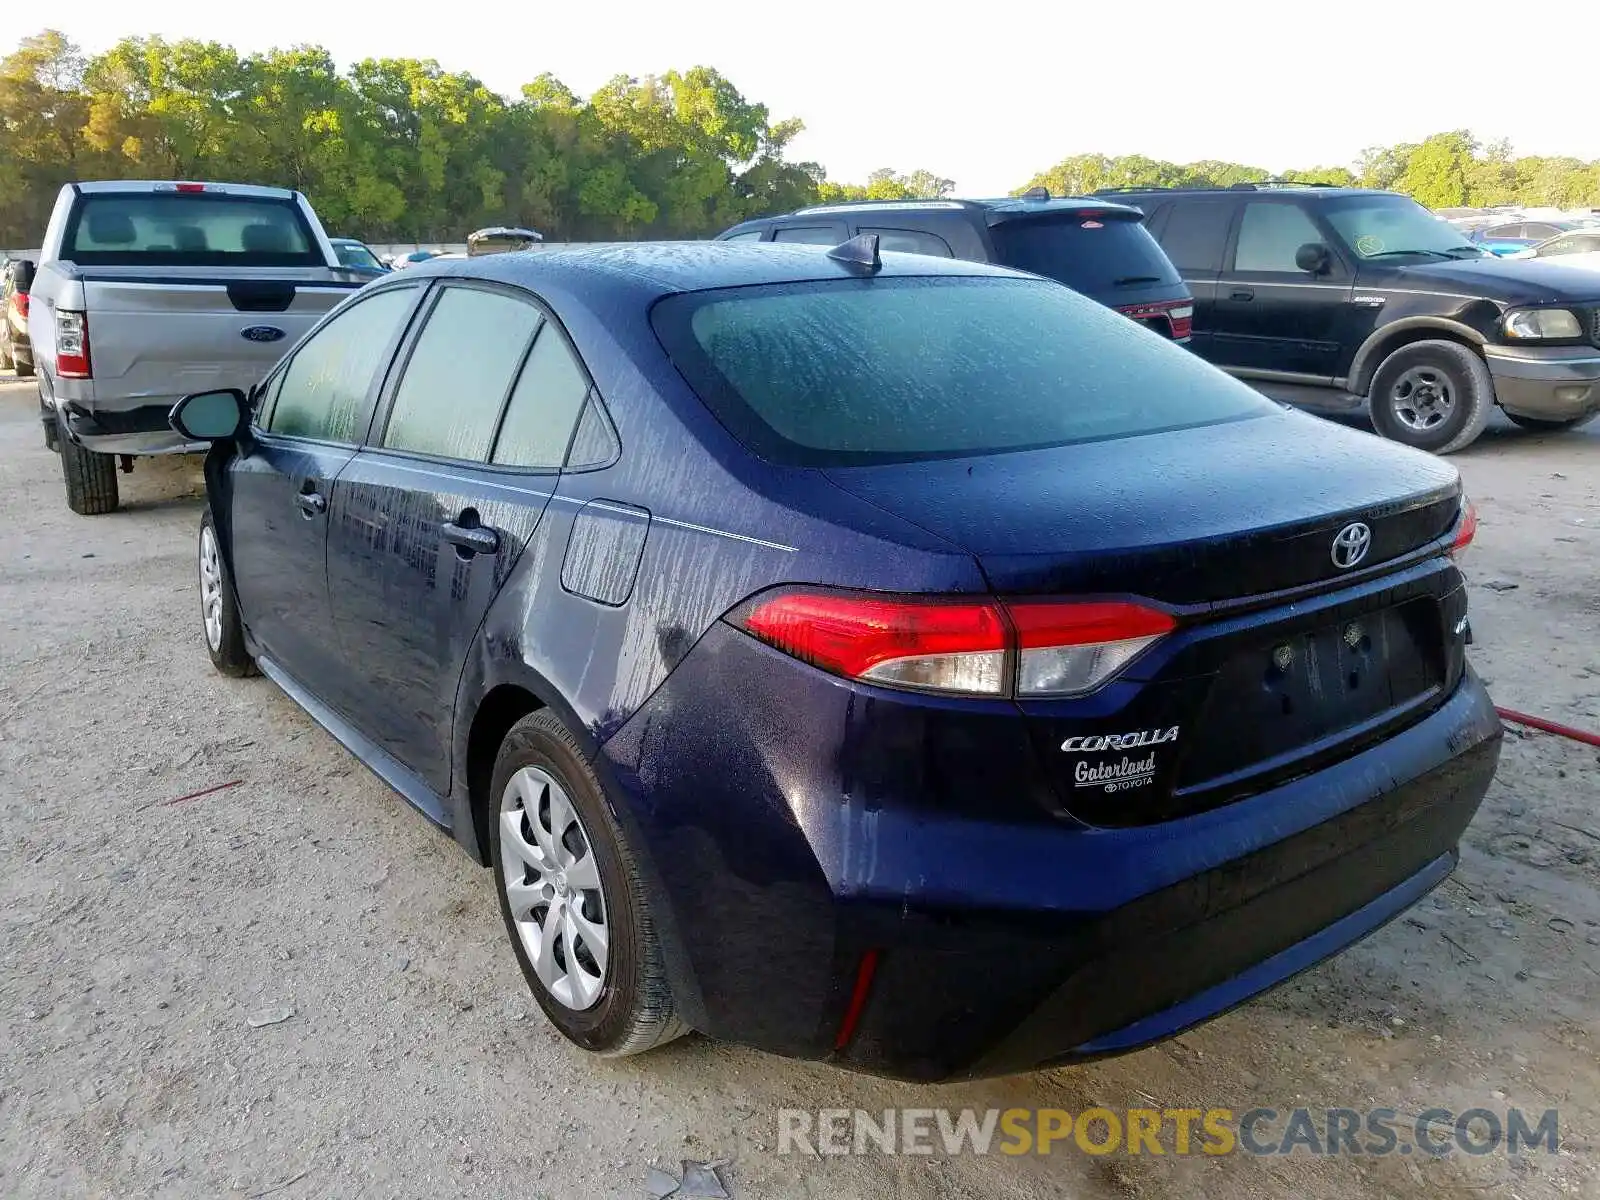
[144,941]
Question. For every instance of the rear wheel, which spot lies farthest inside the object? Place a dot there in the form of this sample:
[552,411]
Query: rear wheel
[574,903]
[91,478]
[1540,425]
[1433,395]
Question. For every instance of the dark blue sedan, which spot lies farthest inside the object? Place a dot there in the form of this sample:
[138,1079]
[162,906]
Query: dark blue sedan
[903,662]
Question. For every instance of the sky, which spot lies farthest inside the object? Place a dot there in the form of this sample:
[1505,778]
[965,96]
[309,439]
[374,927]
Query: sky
[988,95]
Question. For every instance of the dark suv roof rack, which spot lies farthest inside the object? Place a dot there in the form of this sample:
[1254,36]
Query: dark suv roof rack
[1264,185]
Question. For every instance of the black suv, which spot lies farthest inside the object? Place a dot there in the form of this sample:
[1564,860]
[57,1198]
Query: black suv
[1096,247]
[1336,297]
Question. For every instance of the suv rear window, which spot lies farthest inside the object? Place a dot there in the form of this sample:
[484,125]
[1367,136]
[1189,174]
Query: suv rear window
[178,229]
[858,371]
[1094,253]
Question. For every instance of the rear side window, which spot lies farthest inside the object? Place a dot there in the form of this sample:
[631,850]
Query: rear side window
[810,235]
[1269,235]
[180,229]
[544,406]
[455,381]
[1540,231]
[753,235]
[912,241]
[858,371]
[1093,253]
[1196,234]
[322,393]
[1503,231]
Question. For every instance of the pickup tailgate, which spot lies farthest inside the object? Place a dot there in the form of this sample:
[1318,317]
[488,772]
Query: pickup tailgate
[164,333]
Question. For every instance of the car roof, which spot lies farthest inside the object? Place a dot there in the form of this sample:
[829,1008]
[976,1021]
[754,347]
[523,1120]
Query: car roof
[998,204]
[653,269]
[1312,190]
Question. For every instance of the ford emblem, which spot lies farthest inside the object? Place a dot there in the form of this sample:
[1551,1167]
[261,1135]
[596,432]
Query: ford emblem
[261,333]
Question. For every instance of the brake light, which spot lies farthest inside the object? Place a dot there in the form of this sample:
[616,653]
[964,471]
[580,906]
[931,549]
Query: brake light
[959,645]
[1466,529]
[1182,319]
[191,187]
[1069,649]
[72,344]
[932,645]
[19,301]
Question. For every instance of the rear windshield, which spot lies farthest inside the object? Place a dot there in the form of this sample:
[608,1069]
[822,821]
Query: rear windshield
[177,229]
[856,371]
[1100,255]
[354,254]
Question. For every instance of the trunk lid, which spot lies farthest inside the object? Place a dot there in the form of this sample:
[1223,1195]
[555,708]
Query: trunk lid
[1191,517]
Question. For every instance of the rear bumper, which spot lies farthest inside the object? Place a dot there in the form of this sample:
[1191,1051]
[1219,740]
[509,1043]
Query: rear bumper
[1556,383]
[140,427]
[1005,944]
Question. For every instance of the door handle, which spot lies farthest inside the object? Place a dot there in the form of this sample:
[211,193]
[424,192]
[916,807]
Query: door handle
[1242,294]
[471,539]
[311,504]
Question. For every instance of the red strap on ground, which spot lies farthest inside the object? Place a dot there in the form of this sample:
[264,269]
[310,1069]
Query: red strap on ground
[1555,727]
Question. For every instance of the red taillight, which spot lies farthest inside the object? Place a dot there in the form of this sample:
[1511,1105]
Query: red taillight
[191,187]
[1182,318]
[19,301]
[1466,529]
[1178,314]
[72,344]
[947,646]
[957,644]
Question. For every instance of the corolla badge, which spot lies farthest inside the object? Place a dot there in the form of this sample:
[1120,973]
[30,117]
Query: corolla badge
[262,333]
[1351,545]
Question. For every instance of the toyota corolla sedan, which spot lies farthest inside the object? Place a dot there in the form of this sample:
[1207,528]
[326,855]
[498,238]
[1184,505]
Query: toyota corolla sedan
[897,661]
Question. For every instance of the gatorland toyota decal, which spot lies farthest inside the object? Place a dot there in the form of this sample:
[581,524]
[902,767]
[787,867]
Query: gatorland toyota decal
[1118,776]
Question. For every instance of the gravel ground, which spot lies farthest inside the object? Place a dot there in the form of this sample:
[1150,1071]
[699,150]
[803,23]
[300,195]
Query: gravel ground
[146,942]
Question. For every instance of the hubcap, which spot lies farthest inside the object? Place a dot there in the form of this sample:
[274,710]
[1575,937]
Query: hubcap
[211,587]
[552,886]
[1423,398]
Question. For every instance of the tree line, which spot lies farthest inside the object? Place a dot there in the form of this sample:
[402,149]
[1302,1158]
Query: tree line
[399,149]
[1446,170]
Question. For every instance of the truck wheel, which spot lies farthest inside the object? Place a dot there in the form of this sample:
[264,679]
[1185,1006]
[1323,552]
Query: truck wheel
[1433,395]
[91,478]
[1540,425]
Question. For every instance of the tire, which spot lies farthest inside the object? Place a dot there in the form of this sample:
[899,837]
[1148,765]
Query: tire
[52,436]
[619,1007]
[1433,395]
[220,623]
[91,478]
[1540,425]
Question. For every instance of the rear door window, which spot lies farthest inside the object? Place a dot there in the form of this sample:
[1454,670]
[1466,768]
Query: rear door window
[1196,233]
[1497,232]
[455,381]
[811,235]
[323,392]
[1539,232]
[911,241]
[184,229]
[1094,253]
[1269,236]
[751,235]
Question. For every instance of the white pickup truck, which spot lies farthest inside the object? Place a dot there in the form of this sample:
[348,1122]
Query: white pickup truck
[145,292]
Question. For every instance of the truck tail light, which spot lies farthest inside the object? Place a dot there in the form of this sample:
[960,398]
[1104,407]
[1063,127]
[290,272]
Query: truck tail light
[957,645]
[72,344]
[1466,529]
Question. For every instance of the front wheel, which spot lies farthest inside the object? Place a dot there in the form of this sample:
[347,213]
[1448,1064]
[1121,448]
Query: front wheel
[219,607]
[1541,425]
[574,902]
[1433,395]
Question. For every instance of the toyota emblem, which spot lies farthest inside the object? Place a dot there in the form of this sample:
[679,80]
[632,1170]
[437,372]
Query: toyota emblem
[1351,546]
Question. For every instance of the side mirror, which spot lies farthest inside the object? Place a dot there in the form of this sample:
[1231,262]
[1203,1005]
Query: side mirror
[211,416]
[1313,258]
